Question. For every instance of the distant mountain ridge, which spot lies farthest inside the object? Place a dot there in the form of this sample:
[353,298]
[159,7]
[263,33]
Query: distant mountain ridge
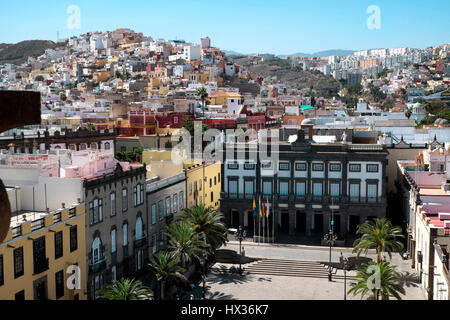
[327,53]
[18,53]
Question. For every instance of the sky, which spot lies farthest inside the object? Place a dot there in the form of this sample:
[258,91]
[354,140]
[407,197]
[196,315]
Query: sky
[245,26]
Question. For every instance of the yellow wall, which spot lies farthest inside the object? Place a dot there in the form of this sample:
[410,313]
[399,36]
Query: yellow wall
[195,173]
[12,286]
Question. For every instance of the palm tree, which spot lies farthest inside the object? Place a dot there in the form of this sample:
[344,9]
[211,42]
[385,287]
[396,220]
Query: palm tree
[208,222]
[203,94]
[380,279]
[126,289]
[184,242]
[90,127]
[381,235]
[166,268]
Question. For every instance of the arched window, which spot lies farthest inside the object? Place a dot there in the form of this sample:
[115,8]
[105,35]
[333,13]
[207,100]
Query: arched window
[125,234]
[83,146]
[96,250]
[124,199]
[107,146]
[139,233]
[113,240]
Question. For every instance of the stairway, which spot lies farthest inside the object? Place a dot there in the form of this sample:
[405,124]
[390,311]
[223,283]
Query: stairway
[292,268]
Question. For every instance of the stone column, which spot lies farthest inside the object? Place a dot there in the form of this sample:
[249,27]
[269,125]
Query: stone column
[326,222]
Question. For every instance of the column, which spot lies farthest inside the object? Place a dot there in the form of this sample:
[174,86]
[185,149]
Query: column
[291,222]
[309,217]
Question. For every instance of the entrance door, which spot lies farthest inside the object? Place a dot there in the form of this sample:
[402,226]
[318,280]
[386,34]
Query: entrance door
[354,223]
[251,220]
[318,223]
[235,219]
[337,224]
[40,289]
[285,221]
[300,221]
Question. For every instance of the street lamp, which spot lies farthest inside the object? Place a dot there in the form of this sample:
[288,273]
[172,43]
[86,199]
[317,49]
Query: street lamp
[240,235]
[330,238]
[344,262]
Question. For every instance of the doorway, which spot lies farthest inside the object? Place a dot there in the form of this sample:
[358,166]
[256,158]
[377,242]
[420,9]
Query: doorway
[300,220]
[235,219]
[40,289]
[284,221]
[318,223]
[353,224]
[337,223]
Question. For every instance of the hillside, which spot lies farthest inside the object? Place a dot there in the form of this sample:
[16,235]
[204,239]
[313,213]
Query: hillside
[293,77]
[18,53]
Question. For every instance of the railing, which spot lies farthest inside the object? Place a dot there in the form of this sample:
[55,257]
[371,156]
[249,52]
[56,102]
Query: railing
[317,199]
[98,265]
[138,243]
[40,265]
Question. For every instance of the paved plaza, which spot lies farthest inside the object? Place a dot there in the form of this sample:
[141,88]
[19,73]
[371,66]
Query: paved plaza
[267,279]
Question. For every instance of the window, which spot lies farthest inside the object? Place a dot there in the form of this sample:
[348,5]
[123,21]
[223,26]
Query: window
[20,296]
[73,239]
[233,166]
[18,262]
[112,198]
[182,200]
[124,199]
[200,184]
[267,187]
[335,167]
[284,166]
[284,188]
[300,166]
[58,244]
[210,183]
[190,189]
[113,240]
[317,167]
[232,188]
[123,149]
[59,282]
[354,192]
[372,192]
[154,242]
[161,235]
[266,165]
[135,200]
[139,229]
[247,166]
[161,210]
[300,188]
[2,276]
[372,168]
[153,213]
[96,211]
[215,181]
[96,251]
[334,189]
[249,189]
[125,234]
[175,203]
[218,177]
[317,189]
[212,196]
[355,168]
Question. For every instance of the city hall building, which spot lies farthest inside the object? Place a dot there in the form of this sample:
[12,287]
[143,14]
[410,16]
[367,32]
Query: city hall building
[306,184]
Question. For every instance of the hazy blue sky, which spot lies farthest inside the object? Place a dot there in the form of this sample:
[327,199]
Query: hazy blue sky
[248,26]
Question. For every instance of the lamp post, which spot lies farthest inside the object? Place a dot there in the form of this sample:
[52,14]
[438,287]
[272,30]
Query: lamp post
[344,262]
[330,238]
[204,275]
[240,235]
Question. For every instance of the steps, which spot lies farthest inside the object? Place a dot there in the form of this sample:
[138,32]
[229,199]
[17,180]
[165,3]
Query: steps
[291,268]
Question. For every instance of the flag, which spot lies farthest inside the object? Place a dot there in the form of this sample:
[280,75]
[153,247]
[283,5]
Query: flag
[264,208]
[268,209]
[254,208]
[260,209]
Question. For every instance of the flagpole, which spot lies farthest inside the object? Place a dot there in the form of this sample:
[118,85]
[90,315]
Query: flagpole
[273,220]
[259,221]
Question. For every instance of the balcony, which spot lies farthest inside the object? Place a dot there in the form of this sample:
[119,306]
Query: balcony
[40,265]
[169,219]
[283,197]
[98,265]
[317,199]
[141,242]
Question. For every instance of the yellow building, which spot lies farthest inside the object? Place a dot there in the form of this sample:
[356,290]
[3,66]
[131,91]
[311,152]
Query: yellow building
[40,254]
[221,97]
[203,184]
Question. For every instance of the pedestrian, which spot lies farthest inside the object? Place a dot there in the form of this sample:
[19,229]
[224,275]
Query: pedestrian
[243,251]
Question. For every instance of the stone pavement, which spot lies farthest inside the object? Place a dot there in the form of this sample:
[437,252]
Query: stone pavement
[272,285]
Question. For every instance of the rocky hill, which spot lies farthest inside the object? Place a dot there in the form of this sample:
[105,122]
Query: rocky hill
[18,53]
[280,70]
